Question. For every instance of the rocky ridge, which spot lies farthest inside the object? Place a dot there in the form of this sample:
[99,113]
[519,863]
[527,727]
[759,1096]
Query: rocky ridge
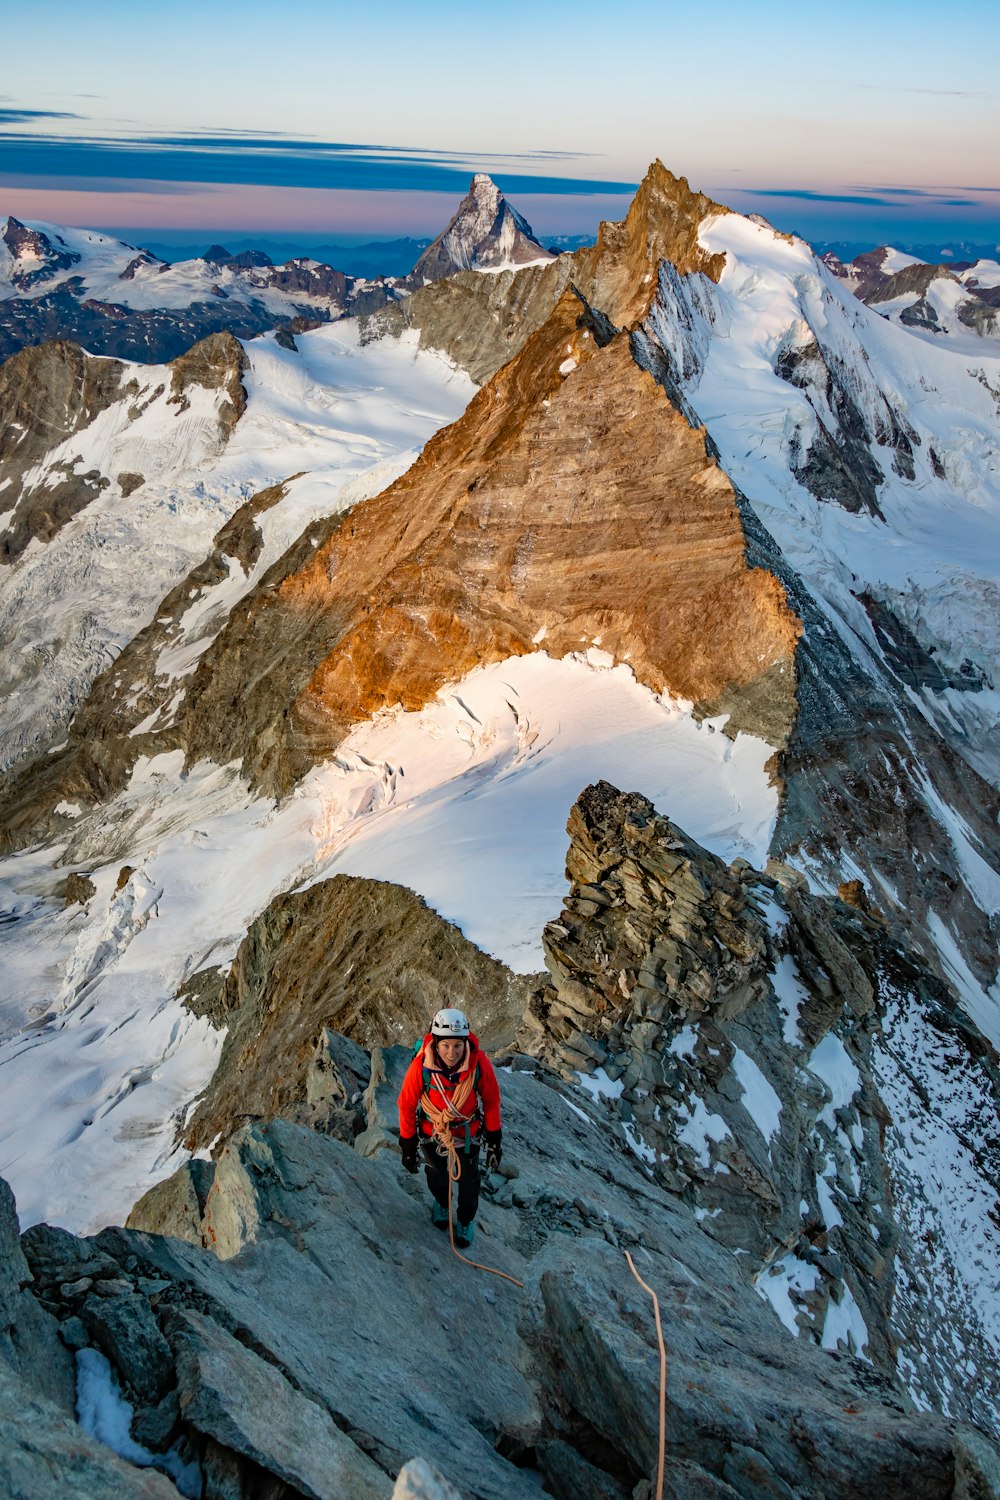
[361,959]
[203,1344]
[570,480]
[861,442]
[744,1091]
[482,322]
[330,652]
[744,1030]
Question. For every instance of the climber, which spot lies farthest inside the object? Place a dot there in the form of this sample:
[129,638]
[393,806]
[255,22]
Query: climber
[449,1101]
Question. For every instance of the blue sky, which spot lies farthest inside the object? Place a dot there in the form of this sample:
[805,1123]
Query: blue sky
[851,121]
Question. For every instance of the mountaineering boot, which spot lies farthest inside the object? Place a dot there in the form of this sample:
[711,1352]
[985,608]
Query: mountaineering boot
[464,1234]
[439,1216]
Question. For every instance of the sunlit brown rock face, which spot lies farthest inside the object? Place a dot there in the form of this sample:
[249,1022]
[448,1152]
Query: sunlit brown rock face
[571,506]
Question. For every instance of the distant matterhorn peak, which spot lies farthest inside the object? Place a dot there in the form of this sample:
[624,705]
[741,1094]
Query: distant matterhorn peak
[486,234]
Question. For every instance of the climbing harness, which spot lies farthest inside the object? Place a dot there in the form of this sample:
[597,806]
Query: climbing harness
[442,1119]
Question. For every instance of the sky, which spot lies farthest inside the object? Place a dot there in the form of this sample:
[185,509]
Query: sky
[850,122]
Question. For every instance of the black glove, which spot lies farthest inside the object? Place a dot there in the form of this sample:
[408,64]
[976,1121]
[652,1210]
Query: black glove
[408,1151]
[494,1149]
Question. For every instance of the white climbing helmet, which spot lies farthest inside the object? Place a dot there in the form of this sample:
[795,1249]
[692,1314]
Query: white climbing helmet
[450,1023]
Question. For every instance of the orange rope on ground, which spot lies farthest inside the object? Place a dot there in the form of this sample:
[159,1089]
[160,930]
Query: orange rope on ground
[452,1179]
[663,1375]
[441,1122]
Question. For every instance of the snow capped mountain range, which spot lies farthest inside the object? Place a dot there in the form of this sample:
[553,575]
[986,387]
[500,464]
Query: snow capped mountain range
[689,511]
[957,304]
[120,300]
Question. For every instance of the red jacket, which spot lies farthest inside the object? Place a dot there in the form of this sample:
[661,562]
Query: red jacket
[425,1072]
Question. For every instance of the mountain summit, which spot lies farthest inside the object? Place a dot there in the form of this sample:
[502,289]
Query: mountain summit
[486,234]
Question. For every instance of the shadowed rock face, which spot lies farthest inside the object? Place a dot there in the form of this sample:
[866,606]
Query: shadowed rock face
[46,395]
[483,321]
[665,970]
[51,392]
[362,957]
[571,503]
[855,772]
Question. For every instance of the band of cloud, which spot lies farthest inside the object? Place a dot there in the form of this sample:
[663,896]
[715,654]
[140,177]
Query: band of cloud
[274,161]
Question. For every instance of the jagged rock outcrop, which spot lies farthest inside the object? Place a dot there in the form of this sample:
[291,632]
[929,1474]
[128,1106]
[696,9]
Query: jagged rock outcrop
[332,1298]
[218,363]
[359,957]
[745,1032]
[485,233]
[483,321]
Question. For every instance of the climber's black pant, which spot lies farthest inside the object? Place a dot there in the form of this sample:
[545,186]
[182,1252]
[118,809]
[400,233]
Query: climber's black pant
[466,1190]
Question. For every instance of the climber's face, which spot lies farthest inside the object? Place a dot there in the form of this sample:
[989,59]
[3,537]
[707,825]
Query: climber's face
[450,1050]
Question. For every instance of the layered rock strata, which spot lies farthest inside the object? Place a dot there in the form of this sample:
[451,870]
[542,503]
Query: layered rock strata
[359,957]
[571,505]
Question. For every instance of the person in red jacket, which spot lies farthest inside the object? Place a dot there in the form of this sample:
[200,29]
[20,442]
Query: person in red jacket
[450,1103]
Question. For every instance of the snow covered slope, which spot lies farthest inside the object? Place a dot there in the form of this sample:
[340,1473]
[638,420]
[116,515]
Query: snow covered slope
[870,463]
[349,419]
